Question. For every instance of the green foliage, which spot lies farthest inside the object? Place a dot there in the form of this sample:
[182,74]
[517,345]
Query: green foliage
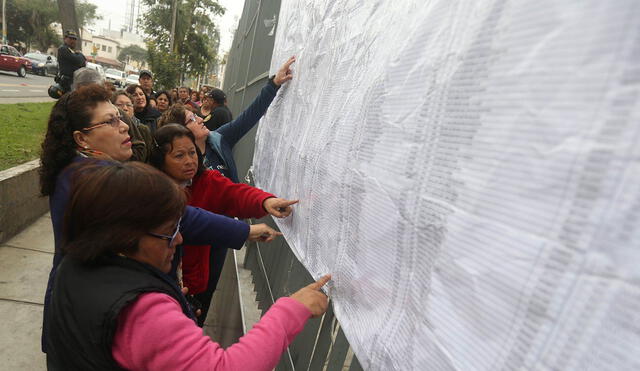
[86,13]
[163,65]
[30,21]
[196,38]
[134,52]
[22,130]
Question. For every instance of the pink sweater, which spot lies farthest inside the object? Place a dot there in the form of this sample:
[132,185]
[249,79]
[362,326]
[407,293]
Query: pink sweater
[154,334]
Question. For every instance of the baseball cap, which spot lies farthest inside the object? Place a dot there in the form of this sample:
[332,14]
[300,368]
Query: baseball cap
[217,95]
[145,72]
[71,34]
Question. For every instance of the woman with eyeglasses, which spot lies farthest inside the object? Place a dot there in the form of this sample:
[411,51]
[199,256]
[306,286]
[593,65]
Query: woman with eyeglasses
[115,307]
[177,156]
[85,125]
[141,138]
[143,110]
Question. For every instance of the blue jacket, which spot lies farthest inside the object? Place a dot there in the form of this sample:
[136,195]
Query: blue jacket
[198,227]
[219,150]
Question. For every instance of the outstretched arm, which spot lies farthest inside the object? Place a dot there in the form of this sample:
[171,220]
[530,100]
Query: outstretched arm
[236,129]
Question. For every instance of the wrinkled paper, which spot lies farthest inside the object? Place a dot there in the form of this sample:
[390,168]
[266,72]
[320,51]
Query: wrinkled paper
[469,173]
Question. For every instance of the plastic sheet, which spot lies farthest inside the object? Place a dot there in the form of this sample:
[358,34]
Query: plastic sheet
[468,172]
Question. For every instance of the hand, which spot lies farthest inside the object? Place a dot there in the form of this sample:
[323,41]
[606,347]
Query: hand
[262,232]
[312,298]
[185,290]
[284,74]
[278,207]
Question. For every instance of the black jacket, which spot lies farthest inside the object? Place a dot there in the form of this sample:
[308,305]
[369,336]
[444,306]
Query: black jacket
[218,117]
[149,116]
[85,305]
[69,61]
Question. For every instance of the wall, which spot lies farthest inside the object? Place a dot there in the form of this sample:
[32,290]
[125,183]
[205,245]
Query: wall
[20,201]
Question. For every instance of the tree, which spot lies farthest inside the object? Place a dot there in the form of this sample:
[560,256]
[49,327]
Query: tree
[30,21]
[68,17]
[195,38]
[133,52]
[86,13]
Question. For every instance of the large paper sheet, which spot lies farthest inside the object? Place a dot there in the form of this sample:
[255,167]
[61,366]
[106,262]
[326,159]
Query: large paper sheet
[469,172]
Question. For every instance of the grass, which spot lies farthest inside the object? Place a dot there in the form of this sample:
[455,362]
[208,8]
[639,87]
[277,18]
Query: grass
[22,129]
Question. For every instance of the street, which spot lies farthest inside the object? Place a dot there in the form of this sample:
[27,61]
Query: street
[33,88]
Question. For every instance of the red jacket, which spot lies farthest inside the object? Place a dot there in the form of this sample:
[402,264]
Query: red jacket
[214,192]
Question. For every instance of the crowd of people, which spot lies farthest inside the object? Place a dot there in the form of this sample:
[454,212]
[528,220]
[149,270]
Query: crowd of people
[144,196]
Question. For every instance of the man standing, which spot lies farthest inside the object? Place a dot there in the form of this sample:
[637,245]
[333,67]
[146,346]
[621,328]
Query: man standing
[214,109]
[145,79]
[183,94]
[69,60]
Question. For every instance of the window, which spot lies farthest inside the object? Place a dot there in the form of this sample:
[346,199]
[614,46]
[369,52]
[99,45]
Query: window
[4,50]
[104,48]
[110,49]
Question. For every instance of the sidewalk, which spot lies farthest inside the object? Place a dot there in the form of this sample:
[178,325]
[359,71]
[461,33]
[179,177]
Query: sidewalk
[25,262]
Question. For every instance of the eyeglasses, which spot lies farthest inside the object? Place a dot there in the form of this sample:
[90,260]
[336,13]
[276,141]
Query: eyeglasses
[114,122]
[121,105]
[167,237]
[190,119]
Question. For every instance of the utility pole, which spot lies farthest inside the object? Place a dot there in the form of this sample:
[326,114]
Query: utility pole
[174,16]
[4,21]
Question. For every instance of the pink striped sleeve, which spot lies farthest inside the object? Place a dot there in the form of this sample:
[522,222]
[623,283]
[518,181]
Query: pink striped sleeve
[154,334]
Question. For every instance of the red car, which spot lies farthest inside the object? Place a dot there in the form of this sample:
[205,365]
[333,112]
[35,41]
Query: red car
[12,60]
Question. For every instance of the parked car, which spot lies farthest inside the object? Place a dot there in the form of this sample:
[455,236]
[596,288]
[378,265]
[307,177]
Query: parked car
[116,77]
[98,68]
[12,60]
[42,64]
[132,79]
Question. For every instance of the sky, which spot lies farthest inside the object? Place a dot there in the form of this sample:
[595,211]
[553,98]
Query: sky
[113,10]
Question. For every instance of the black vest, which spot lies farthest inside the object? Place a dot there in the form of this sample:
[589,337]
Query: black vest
[85,304]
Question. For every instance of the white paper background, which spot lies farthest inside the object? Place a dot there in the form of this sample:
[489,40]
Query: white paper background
[468,172]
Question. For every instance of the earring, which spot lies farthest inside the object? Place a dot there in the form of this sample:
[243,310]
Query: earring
[86,147]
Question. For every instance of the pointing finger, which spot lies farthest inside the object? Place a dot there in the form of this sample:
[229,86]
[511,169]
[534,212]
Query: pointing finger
[321,282]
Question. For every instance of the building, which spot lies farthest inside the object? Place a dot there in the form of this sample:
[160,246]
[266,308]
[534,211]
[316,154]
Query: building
[105,51]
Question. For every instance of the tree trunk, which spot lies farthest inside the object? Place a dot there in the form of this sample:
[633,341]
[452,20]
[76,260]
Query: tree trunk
[68,18]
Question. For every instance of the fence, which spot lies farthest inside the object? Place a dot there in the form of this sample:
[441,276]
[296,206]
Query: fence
[275,269]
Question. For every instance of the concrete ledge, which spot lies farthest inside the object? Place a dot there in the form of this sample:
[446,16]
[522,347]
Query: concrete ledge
[20,201]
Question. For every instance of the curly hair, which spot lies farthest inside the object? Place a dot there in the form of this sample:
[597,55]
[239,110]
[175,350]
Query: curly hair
[174,114]
[72,112]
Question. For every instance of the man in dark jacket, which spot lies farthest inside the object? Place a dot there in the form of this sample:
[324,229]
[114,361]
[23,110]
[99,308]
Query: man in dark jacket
[145,79]
[220,113]
[69,60]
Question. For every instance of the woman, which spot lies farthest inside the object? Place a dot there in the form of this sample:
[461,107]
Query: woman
[195,98]
[164,101]
[217,146]
[177,155]
[141,139]
[174,95]
[141,107]
[206,107]
[84,124]
[115,307]
[203,93]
